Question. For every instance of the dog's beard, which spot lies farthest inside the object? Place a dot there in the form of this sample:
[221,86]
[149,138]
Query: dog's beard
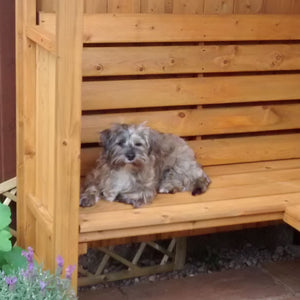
[122,162]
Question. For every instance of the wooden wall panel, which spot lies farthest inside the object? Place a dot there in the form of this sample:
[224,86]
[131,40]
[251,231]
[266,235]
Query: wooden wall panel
[184,6]
[95,6]
[188,7]
[218,7]
[248,6]
[7,91]
[121,6]
[152,6]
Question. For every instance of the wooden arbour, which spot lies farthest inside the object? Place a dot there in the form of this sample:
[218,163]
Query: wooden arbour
[229,84]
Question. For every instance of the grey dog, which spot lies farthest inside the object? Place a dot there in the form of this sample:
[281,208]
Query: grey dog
[137,162]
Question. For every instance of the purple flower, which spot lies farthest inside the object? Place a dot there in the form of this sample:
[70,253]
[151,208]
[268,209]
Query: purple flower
[11,281]
[28,255]
[69,271]
[43,285]
[59,261]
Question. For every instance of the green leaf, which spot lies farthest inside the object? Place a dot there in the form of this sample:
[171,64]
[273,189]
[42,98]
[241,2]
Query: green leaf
[5,214]
[15,259]
[5,243]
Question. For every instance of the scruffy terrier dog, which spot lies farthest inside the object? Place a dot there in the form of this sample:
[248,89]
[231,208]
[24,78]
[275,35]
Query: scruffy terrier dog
[137,162]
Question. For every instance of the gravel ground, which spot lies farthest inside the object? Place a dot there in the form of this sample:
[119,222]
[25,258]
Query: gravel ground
[210,253]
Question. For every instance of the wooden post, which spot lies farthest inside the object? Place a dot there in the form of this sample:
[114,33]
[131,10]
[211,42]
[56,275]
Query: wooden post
[69,21]
[26,100]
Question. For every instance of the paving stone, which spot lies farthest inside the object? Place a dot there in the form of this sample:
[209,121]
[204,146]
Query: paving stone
[287,273]
[102,294]
[252,283]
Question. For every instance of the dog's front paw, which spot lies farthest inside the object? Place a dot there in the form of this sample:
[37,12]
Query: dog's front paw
[201,185]
[87,200]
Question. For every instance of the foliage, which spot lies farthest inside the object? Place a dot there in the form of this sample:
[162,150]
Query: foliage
[35,283]
[5,213]
[21,278]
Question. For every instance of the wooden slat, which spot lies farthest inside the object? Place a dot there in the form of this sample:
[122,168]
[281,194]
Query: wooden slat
[121,6]
[187,226]
[126,28]
[152,6]
[107,61]
[42,37]
[192,212]
[292,216]
[218,7]
[98,95]
[188,7]
[226,151]
[95,6]
[248,6]
[193,122]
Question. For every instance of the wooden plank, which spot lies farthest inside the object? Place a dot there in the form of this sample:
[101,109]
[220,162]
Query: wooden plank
[26,99]
[95,6]
[188,7]
[67,131]
[98,95]
[226,151]
[152,6]
[46,5]
[192,212]
[279,6]
[186,226]
[41,37]
[218,6]
[8,185]
[248,6]
[126,28]
[108,61]
[193,122]
[45,108]
[292,216]
[121,6]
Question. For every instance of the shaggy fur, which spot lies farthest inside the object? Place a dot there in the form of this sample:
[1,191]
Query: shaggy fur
[137,162]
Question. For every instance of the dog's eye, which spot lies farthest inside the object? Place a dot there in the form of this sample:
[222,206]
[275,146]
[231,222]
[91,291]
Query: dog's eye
[121,143]
[138,144]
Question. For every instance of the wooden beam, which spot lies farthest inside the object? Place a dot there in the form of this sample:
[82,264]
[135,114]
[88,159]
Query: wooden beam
[42,37]
[67,131]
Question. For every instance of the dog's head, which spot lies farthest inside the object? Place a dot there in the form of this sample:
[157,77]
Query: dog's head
[126,145]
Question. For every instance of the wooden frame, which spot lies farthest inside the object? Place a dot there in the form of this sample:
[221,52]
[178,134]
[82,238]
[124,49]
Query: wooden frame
[45,219]
[204,83]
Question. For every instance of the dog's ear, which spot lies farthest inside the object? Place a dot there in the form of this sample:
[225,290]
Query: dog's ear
[105,138]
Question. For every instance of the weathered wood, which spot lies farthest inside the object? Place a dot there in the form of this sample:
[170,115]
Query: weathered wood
[126,28]
[41,37]
[111,61]
[188,91]
[234,150]
[67,130]
[192,122]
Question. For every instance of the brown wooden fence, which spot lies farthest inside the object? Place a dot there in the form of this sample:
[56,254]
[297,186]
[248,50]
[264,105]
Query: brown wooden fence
[7,90]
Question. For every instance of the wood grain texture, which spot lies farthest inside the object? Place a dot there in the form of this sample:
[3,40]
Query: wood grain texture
[111,61]
[234,150]
[152,6]
[249,6]
[292,216]
[95,6]
[126,28]
[188,7]
[188,91]
[67,130]
[218,6]
[207,121]
[121,6]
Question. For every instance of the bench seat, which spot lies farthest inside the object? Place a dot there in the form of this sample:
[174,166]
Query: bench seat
[239,194]
[292,216]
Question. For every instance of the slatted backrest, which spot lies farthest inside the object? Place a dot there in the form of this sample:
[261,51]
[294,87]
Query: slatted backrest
[229,84]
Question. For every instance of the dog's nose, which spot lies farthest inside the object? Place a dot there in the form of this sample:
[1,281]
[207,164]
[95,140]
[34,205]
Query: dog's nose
[130,156]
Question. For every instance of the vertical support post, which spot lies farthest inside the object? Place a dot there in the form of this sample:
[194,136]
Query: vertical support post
[69,23]
[180,254]
[26,100]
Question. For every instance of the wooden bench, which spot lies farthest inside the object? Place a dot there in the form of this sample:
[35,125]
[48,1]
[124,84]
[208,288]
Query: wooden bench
[228,84]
